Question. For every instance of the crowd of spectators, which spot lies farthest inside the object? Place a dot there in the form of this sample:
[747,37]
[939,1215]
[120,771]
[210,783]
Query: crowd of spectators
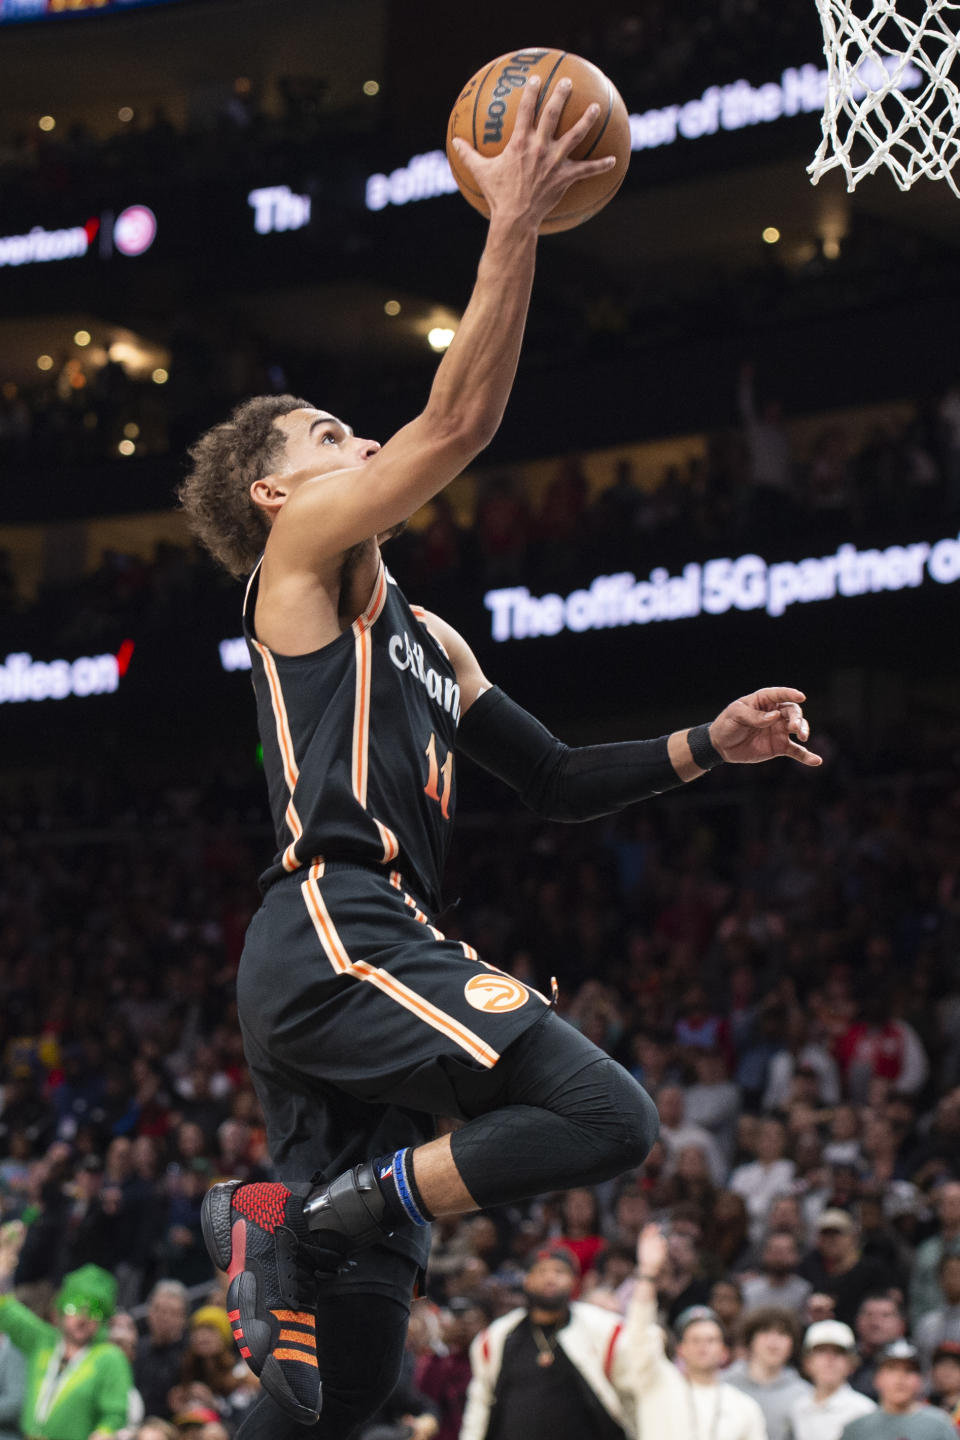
[753,487]
[785,985]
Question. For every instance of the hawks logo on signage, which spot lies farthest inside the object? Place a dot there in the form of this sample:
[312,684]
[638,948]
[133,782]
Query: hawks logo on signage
[496,994]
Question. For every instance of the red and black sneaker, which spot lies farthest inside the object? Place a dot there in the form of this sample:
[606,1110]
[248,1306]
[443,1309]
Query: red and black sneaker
[257,1234]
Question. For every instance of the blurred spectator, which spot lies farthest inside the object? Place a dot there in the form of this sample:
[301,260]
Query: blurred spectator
[13,1376]
[444,1378]
[778,1283]
[159,1357]
[728,1231]
[692,1401]
[210,1361]
[901,1412]
[77,1384]
[677,1133]
[942,1324]
[925,1291]
[556,1368]
[880,1321]
[580,1227]
[945,1379]
[770,1339]
[879,1045]
[769,455]
[829,1357]
[760,1181]
[153,1428]
[713,1100]
[837,1267]
[122,1332]
[726,1301]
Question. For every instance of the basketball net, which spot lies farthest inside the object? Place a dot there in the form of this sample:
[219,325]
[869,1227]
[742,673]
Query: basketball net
[891,100]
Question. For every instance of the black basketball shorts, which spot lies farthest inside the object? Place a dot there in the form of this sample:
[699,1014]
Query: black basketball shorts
[362,1022]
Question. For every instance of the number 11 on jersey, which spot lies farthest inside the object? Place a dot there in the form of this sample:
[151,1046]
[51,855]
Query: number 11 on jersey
[439,777]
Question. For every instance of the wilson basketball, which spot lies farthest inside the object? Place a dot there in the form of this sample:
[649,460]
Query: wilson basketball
[485,112]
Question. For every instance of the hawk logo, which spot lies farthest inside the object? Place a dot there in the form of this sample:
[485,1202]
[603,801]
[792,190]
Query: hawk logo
[496,994]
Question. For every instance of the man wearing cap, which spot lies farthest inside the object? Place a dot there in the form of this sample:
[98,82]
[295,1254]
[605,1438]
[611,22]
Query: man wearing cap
[944,1322]
[78,1384]
[837,1267]
[902,1414]
[553,1369]
[945,1379]
[691,1403]
[829,1358]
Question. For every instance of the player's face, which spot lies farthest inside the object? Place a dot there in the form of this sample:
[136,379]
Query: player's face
[317,441]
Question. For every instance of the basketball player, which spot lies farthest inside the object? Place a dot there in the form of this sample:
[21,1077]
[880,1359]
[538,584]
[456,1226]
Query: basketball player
[361,1022]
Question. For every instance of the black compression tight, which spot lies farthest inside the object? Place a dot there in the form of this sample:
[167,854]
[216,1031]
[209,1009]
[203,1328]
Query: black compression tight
[360,1339]
[556,1112]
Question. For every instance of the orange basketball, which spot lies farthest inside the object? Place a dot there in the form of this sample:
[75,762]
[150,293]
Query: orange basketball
[485,112]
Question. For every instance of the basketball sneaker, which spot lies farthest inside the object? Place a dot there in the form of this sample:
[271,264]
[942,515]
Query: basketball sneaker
[277,1247]
[257,1233]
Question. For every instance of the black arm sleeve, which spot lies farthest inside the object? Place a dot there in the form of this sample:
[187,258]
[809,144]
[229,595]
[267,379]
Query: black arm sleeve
[557,782]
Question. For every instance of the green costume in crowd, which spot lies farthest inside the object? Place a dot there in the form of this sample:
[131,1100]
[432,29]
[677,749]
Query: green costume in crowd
[69,1401]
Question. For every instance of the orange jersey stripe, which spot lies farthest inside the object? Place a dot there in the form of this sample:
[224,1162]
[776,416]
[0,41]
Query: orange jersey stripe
[391,845]
[409,999]
[378,599]
[361,715]
[290,771]
[419,915]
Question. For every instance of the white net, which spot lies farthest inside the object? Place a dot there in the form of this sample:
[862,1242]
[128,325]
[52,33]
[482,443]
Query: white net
[891,98]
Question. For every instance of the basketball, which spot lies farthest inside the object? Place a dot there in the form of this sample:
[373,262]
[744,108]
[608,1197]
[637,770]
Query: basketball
[486,109]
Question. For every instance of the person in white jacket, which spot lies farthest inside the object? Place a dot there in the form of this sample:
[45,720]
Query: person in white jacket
[553,1369]
[686,1401]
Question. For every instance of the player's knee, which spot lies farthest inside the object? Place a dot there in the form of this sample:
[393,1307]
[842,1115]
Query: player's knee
[624,1127]
[642,1122]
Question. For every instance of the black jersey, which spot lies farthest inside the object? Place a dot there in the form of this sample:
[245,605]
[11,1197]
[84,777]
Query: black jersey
[358,742]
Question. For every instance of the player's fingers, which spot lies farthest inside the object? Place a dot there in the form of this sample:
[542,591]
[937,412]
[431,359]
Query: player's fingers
[794,721]
[468,157]
[778,695]
[527,105]
[754,719]
[799,752]
[579,132]
[550,112]
[586,169]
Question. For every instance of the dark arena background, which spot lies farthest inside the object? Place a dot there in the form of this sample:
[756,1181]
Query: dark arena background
[731,459]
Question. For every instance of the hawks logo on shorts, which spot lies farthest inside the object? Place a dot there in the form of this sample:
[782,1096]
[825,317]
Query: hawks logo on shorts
[496,994]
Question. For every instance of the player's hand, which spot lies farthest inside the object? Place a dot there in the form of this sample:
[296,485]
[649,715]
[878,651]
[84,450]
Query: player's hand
[534,170]
[763,725]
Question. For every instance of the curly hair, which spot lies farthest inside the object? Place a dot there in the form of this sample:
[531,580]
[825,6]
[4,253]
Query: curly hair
[227,459]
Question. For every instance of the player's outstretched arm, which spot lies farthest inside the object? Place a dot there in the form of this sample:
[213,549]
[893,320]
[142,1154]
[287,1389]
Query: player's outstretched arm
[561,782]
[332,512]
